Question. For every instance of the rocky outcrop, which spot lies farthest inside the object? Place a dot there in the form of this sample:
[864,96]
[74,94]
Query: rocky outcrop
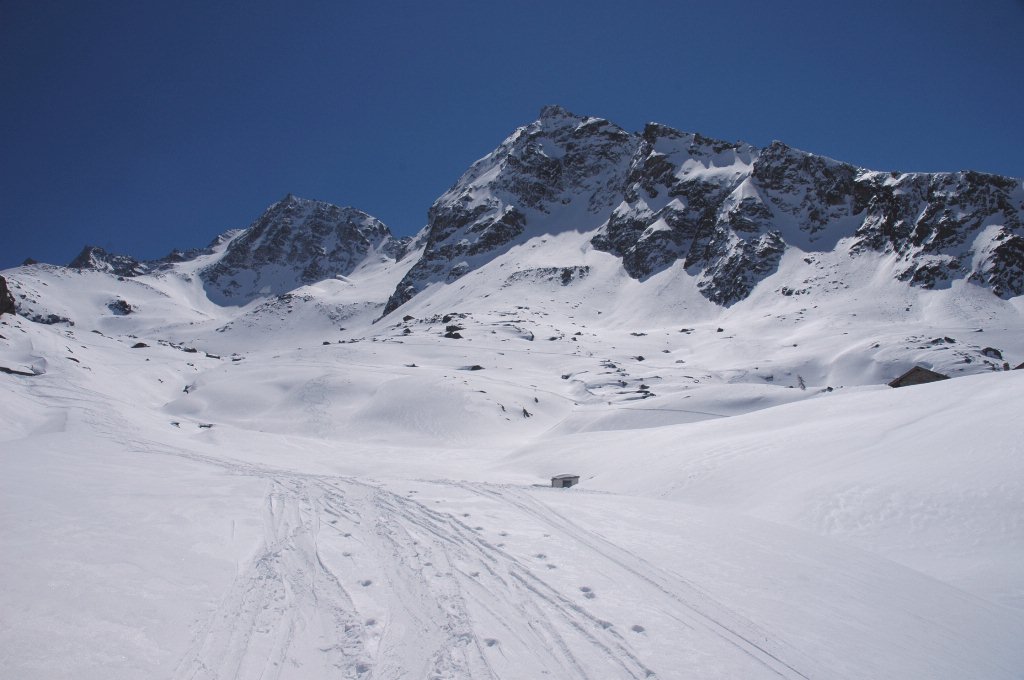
[296,242]
[7,305]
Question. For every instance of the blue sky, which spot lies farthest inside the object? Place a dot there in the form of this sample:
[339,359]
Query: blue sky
[143,126]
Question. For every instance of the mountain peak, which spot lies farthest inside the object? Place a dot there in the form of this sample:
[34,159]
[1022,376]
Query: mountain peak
[555,111]
[297,241]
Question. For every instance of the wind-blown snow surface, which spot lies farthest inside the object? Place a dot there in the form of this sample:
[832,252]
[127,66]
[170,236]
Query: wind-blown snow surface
[287,490]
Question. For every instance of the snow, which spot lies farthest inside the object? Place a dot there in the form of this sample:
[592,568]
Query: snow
[754,502]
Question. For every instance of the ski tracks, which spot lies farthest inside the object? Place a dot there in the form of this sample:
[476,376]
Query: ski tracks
[352,580]
[286,609]
[691,607]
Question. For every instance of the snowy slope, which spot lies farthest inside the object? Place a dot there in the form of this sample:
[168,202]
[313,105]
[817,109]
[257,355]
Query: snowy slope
[375,507]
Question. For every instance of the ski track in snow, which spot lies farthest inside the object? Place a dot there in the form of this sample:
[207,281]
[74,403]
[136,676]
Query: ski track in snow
[291,601]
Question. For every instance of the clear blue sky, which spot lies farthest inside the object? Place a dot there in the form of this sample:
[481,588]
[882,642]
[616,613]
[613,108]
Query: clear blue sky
[141,126]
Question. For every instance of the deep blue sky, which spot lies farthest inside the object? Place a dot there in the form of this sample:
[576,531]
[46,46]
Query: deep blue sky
[141,126]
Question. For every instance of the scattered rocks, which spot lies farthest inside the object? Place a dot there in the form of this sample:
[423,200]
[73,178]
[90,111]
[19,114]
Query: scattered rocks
[49,319]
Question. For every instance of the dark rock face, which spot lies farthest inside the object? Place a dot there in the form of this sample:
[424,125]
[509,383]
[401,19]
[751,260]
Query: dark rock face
[559,173]
[946,225]
[297,242]
[7,305]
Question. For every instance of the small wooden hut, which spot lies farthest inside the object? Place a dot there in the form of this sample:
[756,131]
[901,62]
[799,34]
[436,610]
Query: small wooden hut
[565,481]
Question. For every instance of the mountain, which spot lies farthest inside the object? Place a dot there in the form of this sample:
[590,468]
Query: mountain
[295,242]
[726,212]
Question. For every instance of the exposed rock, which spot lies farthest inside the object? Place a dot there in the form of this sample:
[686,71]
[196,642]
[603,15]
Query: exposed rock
[7,305]
[561,275]
[120,307]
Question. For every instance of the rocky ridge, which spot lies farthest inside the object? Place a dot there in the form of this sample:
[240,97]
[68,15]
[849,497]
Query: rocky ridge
[726,212]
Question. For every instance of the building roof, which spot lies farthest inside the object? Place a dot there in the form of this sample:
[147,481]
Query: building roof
[916,376]
[566,477]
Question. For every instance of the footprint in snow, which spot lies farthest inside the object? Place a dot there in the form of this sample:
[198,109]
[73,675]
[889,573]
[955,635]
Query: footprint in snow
[490,642]
[541,556]
[587,592]
[365,582]
[638,628]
